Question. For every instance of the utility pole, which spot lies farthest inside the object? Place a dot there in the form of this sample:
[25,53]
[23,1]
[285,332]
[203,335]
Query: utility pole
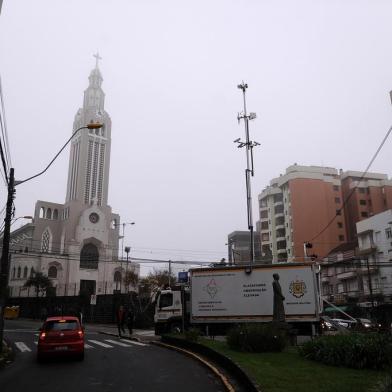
[249,171]
[370,285]
[4,268]
[169,273]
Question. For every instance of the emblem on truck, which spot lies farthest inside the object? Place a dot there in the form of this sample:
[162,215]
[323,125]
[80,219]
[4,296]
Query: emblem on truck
[297,288]
[212,288]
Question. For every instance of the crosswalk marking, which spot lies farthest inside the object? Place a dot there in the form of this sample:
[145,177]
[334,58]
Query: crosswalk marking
[133,342]
[101,343]
[117,342]
[22,347]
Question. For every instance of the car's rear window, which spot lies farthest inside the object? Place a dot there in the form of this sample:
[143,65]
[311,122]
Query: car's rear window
[61,325]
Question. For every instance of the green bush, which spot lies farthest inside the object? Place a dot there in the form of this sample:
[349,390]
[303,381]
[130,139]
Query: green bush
[192,334]
[359,351]
[256,338]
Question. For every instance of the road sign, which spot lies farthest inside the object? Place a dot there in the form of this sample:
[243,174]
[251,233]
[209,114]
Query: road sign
[183,277]
[93,299]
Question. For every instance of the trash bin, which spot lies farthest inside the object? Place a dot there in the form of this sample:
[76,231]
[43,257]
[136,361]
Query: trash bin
[11,312]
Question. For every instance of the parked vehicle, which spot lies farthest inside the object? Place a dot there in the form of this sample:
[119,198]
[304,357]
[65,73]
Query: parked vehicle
[61,336]
[216,298]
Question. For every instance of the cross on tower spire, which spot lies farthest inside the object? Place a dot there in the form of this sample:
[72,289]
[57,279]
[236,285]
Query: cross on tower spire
[97,58]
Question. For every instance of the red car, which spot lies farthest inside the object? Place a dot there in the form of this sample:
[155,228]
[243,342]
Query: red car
[61,336]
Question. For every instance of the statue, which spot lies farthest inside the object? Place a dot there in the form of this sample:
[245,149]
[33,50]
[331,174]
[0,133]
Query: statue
[279,315]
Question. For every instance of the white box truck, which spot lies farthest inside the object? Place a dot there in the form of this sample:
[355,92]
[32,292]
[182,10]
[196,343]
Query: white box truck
[219,297]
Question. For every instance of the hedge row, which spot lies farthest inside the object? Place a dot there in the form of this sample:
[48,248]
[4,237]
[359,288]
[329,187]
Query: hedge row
[359,351]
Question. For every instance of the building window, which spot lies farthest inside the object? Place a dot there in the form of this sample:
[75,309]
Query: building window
[52,272]
[341,238]
[55,214]
[362,202]
[48,213]
[336,188]
[364,214]
[45,242]
[32,272]
[264,225]
[340,225]
[19,272]
[13,273]
[338,212]
[337,200]
[388,233]
[361,190]
[264,214]
[25,270]
[89,257]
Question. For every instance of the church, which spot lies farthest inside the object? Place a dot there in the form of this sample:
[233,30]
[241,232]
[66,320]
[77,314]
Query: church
[76,244]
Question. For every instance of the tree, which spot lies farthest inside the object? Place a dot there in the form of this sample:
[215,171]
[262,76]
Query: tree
[131,278]
[148,288]
[40,282]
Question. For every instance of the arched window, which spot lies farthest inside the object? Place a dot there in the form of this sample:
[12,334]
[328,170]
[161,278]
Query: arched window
[49,213]
[42,212]
[32,272]
[55,214]
[13,273]
[89,256]
[52,272]
[19,272]
[25,270]
[46,241]
[117,276]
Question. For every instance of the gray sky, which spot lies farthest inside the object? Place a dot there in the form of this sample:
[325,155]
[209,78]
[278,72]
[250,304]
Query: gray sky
[319,75]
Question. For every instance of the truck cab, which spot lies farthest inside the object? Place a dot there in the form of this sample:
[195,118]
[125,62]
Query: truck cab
[168,311]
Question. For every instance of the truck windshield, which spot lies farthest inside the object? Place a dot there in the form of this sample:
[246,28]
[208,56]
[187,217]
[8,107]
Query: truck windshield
[166,300]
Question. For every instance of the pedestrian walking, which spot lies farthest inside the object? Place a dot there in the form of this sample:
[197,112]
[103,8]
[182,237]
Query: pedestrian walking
[130,319]
[120,318]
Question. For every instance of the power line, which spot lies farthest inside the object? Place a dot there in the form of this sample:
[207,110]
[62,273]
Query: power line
[4,127]
[338,212]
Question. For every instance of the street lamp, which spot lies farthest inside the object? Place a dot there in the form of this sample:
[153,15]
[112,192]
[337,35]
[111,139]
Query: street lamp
[127,250]
[122,245]
[7,225]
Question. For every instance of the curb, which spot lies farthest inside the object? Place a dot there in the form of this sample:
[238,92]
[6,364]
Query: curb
[225,362]
[212,368]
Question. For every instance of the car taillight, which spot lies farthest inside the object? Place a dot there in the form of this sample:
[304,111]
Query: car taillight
[42,336]
[80,333]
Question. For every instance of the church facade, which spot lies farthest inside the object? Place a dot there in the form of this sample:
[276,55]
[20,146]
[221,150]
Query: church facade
[76,243]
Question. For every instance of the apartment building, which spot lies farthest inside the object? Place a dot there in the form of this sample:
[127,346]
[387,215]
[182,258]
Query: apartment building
[363,274]
[297,206]
[371,195]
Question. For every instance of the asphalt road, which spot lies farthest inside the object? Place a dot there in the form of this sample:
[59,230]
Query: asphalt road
[110,364]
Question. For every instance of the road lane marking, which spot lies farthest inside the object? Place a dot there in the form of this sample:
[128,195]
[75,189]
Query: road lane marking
[133,342]
[22,347]
[87,346]
[100,343]
[117,342]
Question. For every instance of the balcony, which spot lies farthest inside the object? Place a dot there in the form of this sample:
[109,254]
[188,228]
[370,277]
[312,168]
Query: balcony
[366,251]
[347,275]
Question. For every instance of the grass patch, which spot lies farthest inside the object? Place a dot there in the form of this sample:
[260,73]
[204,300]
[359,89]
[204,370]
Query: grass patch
[288,371]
